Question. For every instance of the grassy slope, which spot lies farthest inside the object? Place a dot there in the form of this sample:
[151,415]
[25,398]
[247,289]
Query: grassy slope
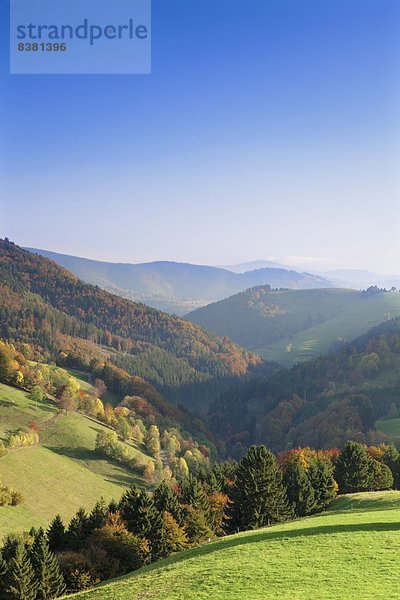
[353,322]
[63,473]
[349,552]
[390,427]
[50,484]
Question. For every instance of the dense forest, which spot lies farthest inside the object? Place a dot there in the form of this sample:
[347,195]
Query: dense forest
[320,403]
[43,304]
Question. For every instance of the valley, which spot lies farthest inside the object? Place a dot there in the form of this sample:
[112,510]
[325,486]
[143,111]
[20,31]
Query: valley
[145,431]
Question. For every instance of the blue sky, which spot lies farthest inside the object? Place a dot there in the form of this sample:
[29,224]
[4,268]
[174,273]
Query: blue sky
[268,128]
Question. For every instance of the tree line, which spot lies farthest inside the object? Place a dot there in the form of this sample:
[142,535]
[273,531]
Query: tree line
[143,527]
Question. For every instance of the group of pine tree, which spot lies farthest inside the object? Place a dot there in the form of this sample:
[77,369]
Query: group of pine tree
[143,527]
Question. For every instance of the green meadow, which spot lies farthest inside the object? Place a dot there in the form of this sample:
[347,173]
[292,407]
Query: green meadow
[60,475]
[390,427]
[351,552]
[355,319]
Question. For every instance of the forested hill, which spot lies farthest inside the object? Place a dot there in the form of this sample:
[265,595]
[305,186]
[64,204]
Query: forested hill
[259,315]
[178,287]
[42,303]
[320,403]
[288,326]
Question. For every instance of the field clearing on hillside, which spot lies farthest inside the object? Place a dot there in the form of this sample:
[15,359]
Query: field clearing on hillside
[17,410]
[353,322]
[74,435]
[63,473]
[390,427]
[50,484]
[348,553]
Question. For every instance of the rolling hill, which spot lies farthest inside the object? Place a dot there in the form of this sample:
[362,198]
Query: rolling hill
[61,474]
[319,403]
[293,325]
[349,552]
[178,287]
[44,304]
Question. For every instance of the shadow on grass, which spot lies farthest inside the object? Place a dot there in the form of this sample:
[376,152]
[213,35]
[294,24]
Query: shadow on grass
[270,536]
[257,536]
[7,404]
[119,476]
[76,453]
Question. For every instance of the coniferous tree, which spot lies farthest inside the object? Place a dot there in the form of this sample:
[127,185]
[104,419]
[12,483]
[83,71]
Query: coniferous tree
[50,582]
[320,473]
[143,519]
[212,483]
[3,577]
[56,535]
[128,506]
[299,489]
[166,500]
[259,494]
[22,584]
[391,458]
[149,524]
[78,530]
[193,493]
[10,547]
[98,516]
[145,514]
[354,469]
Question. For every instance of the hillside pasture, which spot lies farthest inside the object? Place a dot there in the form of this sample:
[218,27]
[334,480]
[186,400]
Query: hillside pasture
[350,552]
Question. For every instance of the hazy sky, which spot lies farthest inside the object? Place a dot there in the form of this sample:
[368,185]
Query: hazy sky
[268,128]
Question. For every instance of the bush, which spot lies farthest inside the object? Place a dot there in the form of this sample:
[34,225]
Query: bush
[10,497]
[23,438]
[16,498]
[5,497]
[77,571]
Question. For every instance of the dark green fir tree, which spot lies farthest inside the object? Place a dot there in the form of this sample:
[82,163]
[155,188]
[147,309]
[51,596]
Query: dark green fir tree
[354,469]
[166,500]
[259,495]
[21,580]
[50,582]
[56,535]
[300,492]
[98,516]
[78,530]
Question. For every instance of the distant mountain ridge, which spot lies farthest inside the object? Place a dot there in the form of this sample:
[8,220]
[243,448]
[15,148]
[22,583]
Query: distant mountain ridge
[178,287]
[359,279]
[257,264]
